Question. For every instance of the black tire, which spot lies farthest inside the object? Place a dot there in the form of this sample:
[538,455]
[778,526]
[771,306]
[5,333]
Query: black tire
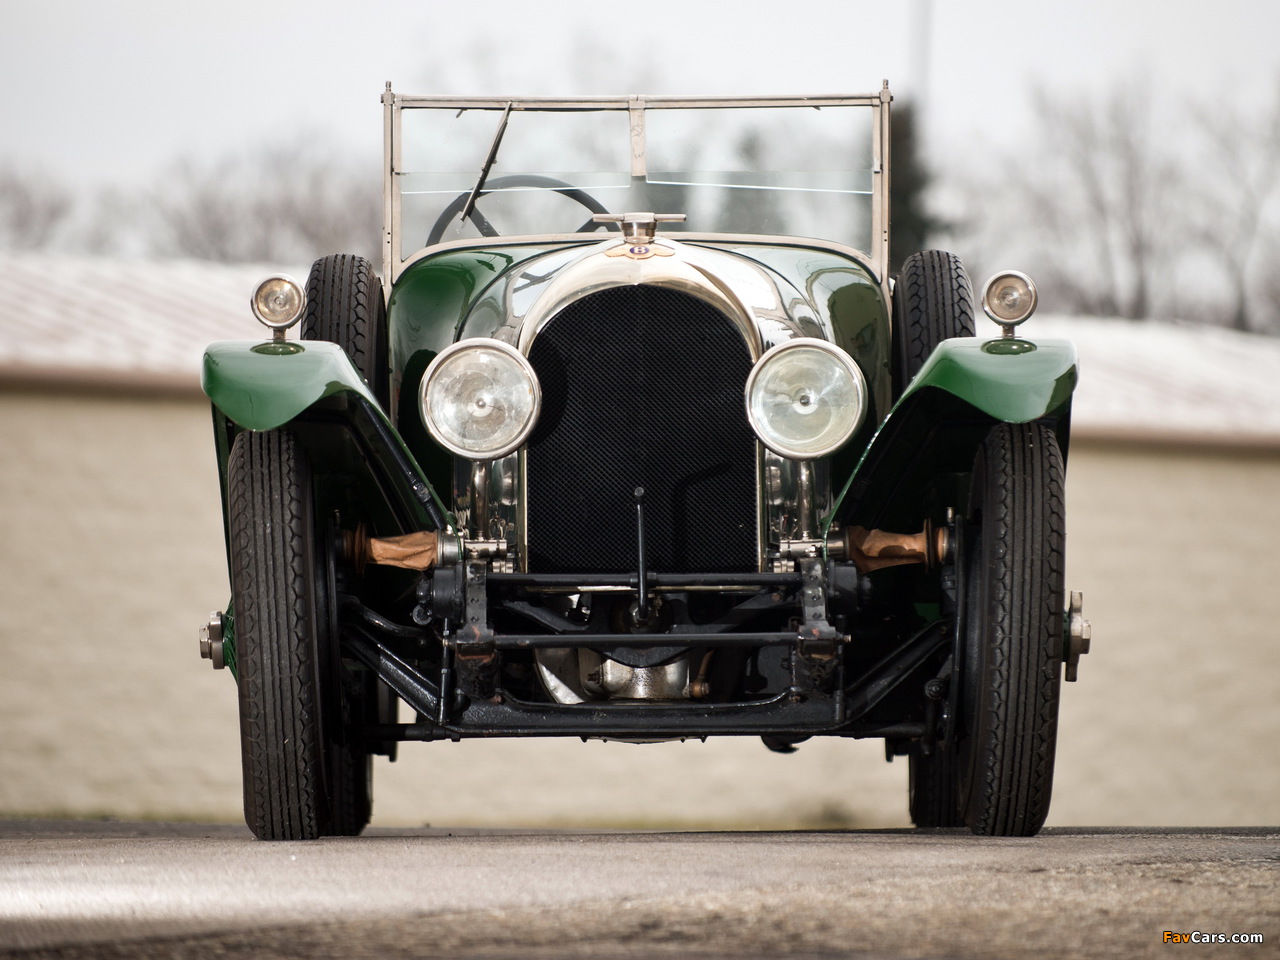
[303,776]
[351,798]
[348,703]
[1011,675]
[932,302]
[345,306]
[933,787]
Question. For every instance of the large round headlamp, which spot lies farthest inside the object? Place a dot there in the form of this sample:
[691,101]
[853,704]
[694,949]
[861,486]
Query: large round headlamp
[480,399]
[805,398]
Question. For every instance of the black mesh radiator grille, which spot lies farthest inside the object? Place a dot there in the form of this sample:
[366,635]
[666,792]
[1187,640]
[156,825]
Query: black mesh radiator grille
[641,387]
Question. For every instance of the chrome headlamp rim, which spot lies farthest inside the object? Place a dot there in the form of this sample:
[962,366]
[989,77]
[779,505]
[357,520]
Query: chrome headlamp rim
[988,298]
[857,378]
[278,326]
[476,344]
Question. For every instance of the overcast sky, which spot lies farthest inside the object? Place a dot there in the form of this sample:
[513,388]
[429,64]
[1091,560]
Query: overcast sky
[109,91]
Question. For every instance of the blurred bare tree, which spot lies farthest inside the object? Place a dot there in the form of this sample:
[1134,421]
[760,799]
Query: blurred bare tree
[1122,207]
[1104,201]
[1116,204]
[33,209]
[283,205]
[913,222]
[1237,194]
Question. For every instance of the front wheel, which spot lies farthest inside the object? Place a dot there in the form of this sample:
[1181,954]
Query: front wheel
[931,787]
[1012,648]
[345,306]
[932,302]
[305,772]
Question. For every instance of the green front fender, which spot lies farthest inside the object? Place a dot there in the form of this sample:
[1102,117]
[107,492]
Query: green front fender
[314,387]
[1012,380]
[261,386]
[934,429]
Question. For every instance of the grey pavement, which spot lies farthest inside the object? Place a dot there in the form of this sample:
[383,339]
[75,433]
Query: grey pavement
[86,889]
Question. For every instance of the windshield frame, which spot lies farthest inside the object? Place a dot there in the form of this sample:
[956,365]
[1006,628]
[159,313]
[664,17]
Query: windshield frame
[636,106]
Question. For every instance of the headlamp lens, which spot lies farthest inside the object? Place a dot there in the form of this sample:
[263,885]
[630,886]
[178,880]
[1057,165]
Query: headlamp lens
[278,302]
[480,399]
[805,398]
[1009,298]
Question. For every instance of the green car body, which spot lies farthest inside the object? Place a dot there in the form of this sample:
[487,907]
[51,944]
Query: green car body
[643,479]
[258,385]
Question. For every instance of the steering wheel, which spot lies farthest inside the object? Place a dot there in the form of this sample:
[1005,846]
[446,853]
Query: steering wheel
[455,207]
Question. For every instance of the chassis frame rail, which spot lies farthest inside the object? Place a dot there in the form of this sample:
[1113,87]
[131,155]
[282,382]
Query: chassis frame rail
[444,713]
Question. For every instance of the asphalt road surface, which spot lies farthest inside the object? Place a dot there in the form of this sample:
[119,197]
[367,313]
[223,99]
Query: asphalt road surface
[160,890]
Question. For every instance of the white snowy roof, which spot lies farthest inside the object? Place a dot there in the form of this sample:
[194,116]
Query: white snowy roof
[71,322]
[97,321]
[1145,380]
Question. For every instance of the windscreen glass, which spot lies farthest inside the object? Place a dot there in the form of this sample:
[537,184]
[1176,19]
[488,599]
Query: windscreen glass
[776,171]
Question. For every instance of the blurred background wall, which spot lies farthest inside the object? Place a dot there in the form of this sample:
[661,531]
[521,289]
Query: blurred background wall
[156,160]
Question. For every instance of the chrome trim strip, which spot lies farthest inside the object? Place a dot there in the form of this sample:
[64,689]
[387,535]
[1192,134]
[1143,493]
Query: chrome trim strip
[624,102]
[639,165]
[880,180]
[746,239]
[390,196]
[680,271]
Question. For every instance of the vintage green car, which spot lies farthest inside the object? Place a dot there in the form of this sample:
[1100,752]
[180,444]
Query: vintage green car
[619,448]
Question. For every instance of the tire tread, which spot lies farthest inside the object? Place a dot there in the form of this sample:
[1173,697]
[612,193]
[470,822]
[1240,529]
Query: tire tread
[345,306]
[1025,512]
[281,750]
[934,301]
